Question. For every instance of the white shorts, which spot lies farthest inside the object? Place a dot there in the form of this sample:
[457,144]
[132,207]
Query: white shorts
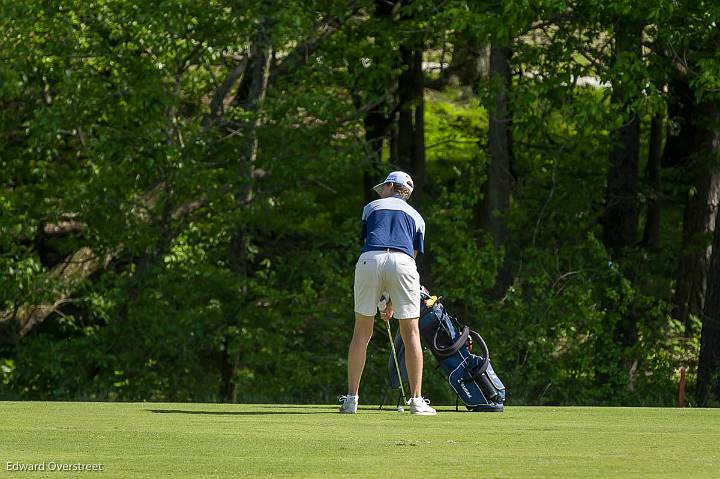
[391,271]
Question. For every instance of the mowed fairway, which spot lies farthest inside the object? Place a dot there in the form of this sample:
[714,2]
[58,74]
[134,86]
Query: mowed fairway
[211,440]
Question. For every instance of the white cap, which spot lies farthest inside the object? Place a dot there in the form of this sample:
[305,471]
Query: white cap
[397,177]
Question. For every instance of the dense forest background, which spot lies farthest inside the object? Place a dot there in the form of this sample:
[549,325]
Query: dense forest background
[182,181]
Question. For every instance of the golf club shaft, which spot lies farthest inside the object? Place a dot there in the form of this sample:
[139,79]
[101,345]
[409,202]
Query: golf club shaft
[397,366]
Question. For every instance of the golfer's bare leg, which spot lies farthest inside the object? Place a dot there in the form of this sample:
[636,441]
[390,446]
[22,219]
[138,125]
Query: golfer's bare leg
[358,350]
[413,354]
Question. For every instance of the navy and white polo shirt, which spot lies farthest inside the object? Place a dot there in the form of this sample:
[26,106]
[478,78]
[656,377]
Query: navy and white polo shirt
[392,223]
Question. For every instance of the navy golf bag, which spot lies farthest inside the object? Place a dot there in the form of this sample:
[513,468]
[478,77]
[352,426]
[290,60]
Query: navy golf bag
[470,375]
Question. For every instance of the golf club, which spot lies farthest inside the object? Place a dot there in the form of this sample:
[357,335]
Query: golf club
[397,366]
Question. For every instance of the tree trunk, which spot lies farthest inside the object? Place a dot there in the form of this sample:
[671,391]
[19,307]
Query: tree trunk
[376,125]
[411,124]
[406,102]
[709,360]
[708,381]
[691,144]
[681,109]
[411,131]
[418,163]
[620,221]
[254,90]
[470,61]
[496,191]
[698,223]
[652,220]
[496,198]
[621,215]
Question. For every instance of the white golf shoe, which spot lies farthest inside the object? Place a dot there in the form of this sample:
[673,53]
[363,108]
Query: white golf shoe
[349,404]
[421,407]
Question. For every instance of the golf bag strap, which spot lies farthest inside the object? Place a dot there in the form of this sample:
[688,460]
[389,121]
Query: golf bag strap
[484,353]
[453,348]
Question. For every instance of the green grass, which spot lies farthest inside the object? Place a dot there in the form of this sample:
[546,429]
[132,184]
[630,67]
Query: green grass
[153,440]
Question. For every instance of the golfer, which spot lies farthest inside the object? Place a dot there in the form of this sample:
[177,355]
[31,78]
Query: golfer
[393,234]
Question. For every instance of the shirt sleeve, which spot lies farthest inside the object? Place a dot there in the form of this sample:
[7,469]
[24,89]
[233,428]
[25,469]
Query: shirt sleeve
[364,228]
[419,242]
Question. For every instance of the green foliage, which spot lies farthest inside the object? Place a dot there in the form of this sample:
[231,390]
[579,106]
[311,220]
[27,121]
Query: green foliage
[106,125]
[454,128]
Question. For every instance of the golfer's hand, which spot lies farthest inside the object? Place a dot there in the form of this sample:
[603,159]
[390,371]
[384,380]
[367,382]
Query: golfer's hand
[387,314]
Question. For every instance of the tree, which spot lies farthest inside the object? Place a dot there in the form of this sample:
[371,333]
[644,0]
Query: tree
[410,123]
[251,99]
[684,149]
[708,381]
[620,220]
[497,189]
[651,234]
[182,182]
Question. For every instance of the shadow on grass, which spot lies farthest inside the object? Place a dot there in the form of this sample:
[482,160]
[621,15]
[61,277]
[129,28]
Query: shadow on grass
[236,413]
